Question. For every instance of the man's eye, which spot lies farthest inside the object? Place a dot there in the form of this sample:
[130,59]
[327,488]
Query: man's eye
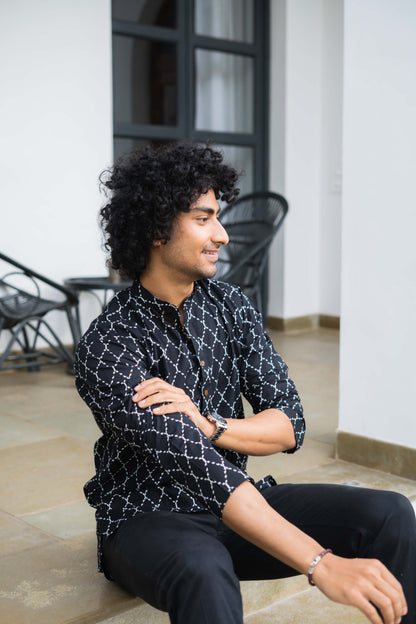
[202,219]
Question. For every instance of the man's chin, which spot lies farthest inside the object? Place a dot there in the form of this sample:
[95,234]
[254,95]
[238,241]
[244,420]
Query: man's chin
[207,273]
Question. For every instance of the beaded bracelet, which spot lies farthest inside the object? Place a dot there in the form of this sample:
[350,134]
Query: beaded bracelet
[314,562]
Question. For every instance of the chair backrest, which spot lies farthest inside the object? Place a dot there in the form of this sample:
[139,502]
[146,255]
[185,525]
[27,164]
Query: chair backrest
[34,276]
[17,303]
[30,340]
[251,223]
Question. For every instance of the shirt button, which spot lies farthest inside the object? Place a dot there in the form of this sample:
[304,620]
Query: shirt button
[202,363]
[206,392]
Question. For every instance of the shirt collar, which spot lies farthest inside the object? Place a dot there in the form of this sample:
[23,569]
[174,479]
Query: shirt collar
[140,293]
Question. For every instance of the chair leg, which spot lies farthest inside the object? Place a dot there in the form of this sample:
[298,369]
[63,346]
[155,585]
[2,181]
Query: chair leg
[24,346]
[29,358]
[58,347]
[74,324]
[30,350]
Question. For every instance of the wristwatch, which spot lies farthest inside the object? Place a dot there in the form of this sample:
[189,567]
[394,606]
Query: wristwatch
[220,423]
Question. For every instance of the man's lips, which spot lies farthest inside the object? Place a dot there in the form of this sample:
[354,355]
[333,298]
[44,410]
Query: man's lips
[213,253]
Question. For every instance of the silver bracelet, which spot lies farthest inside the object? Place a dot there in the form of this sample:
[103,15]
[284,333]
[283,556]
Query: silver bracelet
[314,562]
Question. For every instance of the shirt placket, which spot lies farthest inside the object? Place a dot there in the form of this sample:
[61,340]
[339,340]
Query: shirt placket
[203,358]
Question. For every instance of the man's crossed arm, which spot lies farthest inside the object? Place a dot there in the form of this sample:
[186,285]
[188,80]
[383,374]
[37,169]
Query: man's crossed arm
[265,433]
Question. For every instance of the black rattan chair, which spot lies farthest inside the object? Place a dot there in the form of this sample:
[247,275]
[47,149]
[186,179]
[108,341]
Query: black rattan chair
[22,318]
[251,223]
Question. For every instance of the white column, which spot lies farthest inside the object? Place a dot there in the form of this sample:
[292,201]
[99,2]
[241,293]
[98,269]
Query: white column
[378,315]
[305,154]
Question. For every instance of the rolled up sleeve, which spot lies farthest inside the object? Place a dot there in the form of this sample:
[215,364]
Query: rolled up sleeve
[171,446]
[265,381]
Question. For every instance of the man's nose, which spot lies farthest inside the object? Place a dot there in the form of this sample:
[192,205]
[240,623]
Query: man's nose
[221,236]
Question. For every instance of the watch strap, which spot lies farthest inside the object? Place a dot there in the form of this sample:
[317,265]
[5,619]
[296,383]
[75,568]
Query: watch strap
[219,431]
[220,423]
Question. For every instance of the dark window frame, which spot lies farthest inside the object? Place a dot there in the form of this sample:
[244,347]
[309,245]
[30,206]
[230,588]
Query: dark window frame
[187,42]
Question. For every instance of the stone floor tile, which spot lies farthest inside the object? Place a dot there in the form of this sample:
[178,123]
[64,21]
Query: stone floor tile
[320,346]
[15,431]
[65,521]
[311,607]
[57,584]
[320,402]
[314,382]
[53,406]
[35,401]
[317,425]
[44,474]
[262,594]
[78,422]
[255,594]
[50,376]
[142,614]
[17,535]
[338,471]
[311,455]
[327,438]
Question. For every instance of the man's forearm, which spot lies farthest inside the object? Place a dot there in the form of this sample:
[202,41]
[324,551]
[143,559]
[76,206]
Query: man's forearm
[265,433]
[363,583]
[248,513]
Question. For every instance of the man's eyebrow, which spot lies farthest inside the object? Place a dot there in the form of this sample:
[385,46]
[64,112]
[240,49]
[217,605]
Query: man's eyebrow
[205,209]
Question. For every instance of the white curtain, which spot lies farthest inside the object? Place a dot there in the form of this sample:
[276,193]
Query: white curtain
[224,81]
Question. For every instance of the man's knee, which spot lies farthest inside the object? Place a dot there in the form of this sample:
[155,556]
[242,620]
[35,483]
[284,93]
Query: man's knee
[402,515]
[394,515]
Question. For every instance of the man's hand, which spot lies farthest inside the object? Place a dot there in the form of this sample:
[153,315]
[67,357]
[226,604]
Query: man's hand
[155,391]
[362,583]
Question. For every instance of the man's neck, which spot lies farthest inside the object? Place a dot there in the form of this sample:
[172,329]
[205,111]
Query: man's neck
[166,289]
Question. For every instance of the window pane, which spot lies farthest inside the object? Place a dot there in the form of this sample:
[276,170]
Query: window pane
[241,158]
[224,92]
[144,81]
[225,19]
[148,12]
[123,145]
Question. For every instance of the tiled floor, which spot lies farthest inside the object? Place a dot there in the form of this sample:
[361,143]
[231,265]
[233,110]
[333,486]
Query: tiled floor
[47,540]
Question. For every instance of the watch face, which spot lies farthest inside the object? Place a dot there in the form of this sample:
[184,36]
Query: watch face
[216,418]
[221,426]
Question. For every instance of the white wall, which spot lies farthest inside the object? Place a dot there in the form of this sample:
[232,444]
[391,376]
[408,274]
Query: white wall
[378,331]
[332,48]
[56,132]
[305,154]
[277,125]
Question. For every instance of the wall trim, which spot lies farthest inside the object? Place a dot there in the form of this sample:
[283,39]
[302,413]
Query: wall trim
[331,322]
[311,321]
[386,456]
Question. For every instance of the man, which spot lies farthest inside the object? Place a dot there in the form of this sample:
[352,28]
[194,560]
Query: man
[179,521]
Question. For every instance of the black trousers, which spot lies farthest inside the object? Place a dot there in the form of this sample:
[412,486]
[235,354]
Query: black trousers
[190,564]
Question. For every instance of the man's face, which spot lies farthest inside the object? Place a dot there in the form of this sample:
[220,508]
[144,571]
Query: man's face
[192,251]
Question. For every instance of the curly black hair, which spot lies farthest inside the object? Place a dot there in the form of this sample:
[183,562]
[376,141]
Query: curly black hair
[147,190]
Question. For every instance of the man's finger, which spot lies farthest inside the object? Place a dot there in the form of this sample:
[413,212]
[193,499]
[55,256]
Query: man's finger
[153,382]
[158,397]
[369,611]
[151,389]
